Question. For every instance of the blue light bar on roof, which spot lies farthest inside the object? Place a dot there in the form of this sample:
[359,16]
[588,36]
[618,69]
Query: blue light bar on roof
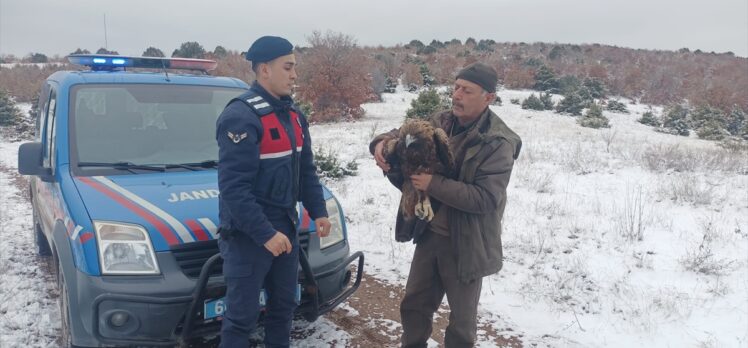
[100,61]
[110,62]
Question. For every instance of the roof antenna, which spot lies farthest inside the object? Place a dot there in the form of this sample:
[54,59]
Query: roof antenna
[106,42]
[163,66]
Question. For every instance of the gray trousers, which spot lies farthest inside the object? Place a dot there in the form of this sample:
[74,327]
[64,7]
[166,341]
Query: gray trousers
[433,273]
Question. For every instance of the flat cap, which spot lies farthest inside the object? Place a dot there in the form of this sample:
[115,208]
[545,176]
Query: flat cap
[268,48]
[480,74]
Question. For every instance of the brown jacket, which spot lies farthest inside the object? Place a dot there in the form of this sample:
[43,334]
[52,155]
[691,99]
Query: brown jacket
[475,198]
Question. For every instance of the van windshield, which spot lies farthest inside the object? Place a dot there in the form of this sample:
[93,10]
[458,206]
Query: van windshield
[146,125]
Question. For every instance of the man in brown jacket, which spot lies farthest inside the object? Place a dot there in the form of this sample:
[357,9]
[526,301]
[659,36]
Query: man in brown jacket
[462,243]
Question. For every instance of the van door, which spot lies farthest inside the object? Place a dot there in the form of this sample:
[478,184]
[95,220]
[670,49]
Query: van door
[44,190]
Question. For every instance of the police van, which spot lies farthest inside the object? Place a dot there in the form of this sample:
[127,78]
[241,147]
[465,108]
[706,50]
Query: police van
[125,201]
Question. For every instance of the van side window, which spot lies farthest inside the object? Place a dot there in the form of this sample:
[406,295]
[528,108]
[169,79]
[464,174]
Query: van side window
[49,131]
[41,113]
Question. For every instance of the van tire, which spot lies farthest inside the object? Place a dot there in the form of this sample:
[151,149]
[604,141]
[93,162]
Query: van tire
[42,245]
[66,338]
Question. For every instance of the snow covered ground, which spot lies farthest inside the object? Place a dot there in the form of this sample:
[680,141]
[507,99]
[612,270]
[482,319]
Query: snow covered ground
[613,238]
[38,65]
[29,315]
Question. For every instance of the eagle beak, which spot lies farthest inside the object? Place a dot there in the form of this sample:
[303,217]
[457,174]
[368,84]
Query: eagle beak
[408,140]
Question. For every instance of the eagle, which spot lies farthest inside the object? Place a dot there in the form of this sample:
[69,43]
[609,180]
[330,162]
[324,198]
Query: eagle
[419,148]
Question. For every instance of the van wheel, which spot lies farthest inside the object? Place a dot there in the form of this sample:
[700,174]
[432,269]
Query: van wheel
[66,339]
[42,246]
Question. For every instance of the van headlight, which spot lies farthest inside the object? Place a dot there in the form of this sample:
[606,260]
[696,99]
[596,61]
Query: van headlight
[336,225]
[125,249]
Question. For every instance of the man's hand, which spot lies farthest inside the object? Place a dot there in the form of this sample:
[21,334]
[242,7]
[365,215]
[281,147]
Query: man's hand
[279,244]
[421,181]
[323,226]
[379,157]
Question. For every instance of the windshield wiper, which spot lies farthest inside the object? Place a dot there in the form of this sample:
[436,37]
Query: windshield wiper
[122,165]
[194,165]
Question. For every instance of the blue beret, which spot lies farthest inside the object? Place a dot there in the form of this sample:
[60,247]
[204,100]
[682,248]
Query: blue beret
[268,48]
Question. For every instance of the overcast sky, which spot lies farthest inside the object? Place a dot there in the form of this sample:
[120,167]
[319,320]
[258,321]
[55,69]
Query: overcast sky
[60,26]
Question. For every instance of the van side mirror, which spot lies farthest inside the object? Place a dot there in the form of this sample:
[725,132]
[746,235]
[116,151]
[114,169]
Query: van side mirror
[30,162]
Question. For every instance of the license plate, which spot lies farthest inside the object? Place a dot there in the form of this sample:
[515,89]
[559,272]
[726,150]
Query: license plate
[216,307]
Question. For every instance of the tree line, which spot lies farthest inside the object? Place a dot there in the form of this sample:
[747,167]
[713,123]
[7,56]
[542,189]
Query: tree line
[337,75]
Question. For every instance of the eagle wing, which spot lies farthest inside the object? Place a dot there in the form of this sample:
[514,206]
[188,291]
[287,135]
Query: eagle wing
[441,143]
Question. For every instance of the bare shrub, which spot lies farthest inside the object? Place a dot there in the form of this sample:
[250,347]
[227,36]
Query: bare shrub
[541,182]
[701,259]
[608,137]
[661,158]
[633,217]
[581,159]
[24,81]
[335,78]
[235,65]
[689,188]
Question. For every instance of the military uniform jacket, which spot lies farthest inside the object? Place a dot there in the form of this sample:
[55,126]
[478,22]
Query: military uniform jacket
[265,164]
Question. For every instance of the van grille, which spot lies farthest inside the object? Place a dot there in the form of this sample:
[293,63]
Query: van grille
[192,256]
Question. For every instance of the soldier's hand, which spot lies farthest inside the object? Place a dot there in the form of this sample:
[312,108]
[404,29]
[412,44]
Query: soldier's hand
[379,157]
[279,244]
[323,226]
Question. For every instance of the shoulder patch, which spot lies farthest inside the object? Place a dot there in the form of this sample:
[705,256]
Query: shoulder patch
[258,104]
[236,138]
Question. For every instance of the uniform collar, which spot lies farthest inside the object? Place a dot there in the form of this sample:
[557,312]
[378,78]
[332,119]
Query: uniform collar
[284,103]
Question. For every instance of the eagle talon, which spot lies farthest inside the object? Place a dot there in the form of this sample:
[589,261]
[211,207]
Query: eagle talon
[419,211]
[424,211]
[428,211]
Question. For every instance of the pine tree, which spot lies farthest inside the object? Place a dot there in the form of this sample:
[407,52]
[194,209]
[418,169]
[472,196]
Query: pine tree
[81,51]
[485,45]
[103,50]
[545,80]
[190,49]
[736,121]
[586,96]
[9,112]
[709,123]
[568,84]
[595,87]
[712,130]
[38,58]
[426,50]
[437,44]
[743,132]
[545,98]
[533,103]
[594,118]
[390,85]
[616,106]
[555,53]
[705,114]
[153,52]
[571,104]
[675,120]
[425,105]
[649,119]
[415,44]
[220,52]
[428,80]
[34,111]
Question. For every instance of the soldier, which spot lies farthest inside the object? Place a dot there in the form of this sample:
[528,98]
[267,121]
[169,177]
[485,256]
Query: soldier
[265,166]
